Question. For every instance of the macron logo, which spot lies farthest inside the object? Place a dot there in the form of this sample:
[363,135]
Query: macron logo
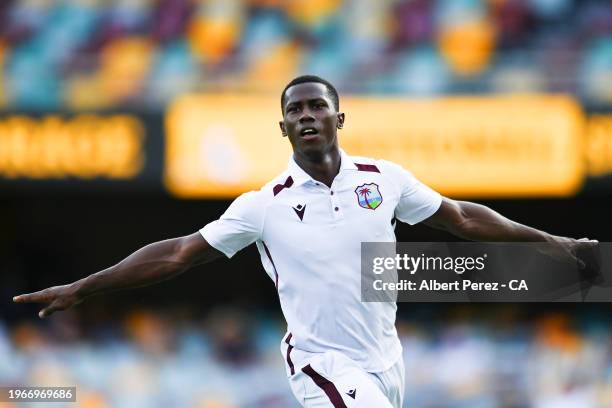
[352,393]
[299,210]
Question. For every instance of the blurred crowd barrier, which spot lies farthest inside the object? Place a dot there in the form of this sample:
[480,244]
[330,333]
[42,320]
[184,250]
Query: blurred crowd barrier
[93,54]
[231,359]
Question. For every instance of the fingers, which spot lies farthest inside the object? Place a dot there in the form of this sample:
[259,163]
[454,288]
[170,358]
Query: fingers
[48,311]
[37,297]
[30,297]
[45,295]
[56,296]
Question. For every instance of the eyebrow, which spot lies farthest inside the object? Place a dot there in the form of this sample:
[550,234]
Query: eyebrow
[317,99]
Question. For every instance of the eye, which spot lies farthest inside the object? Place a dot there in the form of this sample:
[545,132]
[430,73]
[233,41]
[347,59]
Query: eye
[292,109]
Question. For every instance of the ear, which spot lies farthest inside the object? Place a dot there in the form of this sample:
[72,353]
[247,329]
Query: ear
[340,124]
[282,128]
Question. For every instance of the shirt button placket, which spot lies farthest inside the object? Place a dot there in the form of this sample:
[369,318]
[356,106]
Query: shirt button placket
[335,205]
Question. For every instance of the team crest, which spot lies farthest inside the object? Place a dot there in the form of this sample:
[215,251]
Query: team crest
[368,196]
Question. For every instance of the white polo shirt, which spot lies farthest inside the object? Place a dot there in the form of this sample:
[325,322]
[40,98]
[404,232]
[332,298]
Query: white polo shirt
[309,237]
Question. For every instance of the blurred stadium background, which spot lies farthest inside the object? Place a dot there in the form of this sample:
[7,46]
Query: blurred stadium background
[505,102]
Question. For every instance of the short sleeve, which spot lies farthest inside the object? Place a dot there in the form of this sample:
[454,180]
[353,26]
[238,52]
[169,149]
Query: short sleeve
[239,226]
[417,201]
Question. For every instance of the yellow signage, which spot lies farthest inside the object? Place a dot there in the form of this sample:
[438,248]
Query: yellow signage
[84,146]
[599,145]
[223,145]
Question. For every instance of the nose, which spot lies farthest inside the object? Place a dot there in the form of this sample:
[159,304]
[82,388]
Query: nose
[306,116]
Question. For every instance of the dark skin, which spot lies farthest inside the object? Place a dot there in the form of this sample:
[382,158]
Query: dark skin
[316,151]
[308,105]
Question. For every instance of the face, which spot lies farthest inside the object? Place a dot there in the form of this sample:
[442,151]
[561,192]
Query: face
[310,119]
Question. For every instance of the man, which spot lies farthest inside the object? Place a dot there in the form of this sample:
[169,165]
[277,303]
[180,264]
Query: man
[308,225]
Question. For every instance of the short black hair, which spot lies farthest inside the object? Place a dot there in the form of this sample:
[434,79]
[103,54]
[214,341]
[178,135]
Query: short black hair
[333,93]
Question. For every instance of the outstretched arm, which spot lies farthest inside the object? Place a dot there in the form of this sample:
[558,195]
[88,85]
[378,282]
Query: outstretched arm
[476,222]
[153,263]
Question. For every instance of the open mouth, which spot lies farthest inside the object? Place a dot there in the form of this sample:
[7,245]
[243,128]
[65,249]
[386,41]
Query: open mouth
[309,131]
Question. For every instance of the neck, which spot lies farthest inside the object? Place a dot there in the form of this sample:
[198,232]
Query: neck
[322,166]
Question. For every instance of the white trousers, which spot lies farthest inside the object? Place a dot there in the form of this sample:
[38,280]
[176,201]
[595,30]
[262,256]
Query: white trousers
[333,380]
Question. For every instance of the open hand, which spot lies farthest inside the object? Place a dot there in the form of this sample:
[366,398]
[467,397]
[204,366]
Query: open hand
[57,297]
[568,249]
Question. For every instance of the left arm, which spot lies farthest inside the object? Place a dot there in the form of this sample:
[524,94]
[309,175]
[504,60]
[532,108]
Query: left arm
[476,222]
[471,221]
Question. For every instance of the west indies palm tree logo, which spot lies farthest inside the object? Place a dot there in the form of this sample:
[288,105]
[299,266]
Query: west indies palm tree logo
[368,196]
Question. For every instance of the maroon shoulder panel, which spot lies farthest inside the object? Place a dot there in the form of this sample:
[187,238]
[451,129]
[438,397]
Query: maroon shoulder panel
[279,187]
[367,167]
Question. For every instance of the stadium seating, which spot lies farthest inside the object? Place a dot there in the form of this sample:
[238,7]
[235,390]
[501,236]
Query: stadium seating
[87,54]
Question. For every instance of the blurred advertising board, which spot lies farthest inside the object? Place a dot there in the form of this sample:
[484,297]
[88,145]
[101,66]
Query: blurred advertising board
[598,146]
[510,146]
[218,146]
[75,150]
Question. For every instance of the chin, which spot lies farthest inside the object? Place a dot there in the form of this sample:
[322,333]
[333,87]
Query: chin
[313,146]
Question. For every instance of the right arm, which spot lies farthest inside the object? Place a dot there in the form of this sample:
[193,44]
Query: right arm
[153,263]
